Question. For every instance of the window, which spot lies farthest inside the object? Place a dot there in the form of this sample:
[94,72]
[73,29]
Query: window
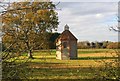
[64,44]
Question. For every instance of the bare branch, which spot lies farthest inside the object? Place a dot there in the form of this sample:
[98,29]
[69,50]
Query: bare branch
[116,30]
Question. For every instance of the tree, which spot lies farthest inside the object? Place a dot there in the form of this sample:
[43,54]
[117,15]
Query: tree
[83,45]
[112,45]
[26,24]
[53,37]
[105,43]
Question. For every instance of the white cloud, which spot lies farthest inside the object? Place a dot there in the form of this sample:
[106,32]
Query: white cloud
[99,15]
[89,21]
[86,0]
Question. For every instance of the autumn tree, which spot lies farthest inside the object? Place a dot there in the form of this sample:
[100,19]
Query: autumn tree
[52,40]
[26,25]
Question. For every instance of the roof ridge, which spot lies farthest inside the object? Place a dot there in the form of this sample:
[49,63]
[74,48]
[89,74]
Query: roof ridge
[66,33]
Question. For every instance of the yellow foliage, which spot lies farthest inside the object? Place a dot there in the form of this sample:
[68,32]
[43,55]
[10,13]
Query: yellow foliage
[29,15]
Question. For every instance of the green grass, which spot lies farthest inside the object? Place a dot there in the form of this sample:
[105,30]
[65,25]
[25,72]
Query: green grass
[96,58]
[62,73]
[46,66]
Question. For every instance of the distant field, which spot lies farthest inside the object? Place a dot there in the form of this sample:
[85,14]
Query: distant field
[85,51]
[80,51]
[46,66]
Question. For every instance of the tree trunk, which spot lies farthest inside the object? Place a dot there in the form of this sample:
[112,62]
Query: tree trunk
[29,51]
[30,54]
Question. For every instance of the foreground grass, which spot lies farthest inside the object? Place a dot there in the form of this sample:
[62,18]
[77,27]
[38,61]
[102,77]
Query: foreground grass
[61,73]
[46,66]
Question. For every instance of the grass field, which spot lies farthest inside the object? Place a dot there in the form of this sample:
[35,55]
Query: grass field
[46,66]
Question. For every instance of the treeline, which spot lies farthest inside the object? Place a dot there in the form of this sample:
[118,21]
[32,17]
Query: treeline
[52,40]
[85,44]
[51,44]
[103,44]
[48,44]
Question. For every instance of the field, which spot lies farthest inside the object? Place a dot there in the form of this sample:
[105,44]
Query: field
[46,66]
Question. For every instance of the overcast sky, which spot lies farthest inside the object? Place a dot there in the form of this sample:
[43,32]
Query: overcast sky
[89,20]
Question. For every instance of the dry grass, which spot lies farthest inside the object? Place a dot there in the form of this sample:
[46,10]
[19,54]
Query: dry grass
[46,66]
[98,55]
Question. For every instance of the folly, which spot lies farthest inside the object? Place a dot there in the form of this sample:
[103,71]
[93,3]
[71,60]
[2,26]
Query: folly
[66,45]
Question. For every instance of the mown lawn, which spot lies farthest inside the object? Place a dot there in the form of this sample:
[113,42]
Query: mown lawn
[46,66]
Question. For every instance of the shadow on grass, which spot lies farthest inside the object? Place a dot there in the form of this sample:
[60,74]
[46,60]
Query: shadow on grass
[80,58]
[94,58]
[57,80]
[44,63]
[43,58]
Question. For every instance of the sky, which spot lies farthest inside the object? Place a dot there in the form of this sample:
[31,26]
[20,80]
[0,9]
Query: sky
[88,20]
